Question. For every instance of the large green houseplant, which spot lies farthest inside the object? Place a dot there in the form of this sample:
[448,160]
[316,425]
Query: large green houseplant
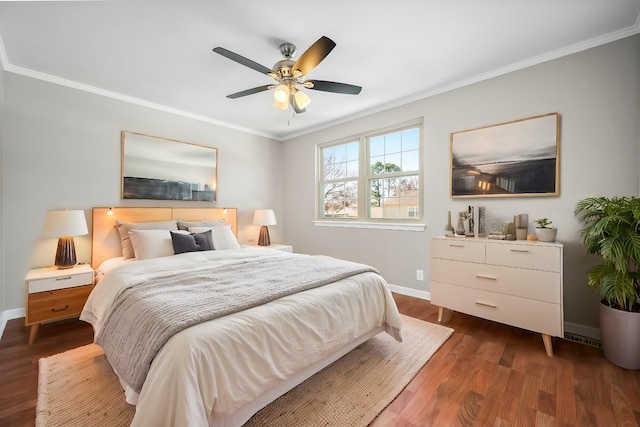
[612,232]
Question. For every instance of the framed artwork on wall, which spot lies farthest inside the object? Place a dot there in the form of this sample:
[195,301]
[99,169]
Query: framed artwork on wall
[517,158]
[166,169]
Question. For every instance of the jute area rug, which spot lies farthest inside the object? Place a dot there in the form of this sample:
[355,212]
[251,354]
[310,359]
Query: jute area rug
[79,388]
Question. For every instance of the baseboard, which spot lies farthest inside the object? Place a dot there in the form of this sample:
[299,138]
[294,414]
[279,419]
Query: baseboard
[581,333]
[416,293]
[7,315]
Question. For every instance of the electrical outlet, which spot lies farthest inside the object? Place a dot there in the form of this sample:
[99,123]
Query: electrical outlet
[419,275]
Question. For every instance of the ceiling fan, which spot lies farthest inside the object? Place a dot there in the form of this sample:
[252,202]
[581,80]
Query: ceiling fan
[289,75]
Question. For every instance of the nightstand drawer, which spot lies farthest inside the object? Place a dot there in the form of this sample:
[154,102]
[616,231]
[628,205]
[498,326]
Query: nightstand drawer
[51,305]
[60,282]
[459,249]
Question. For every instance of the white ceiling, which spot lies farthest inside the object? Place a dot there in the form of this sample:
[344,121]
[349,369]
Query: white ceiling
[159,53]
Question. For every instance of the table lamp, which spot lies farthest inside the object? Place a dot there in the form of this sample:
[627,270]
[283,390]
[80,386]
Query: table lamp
[263,218]
[64,225]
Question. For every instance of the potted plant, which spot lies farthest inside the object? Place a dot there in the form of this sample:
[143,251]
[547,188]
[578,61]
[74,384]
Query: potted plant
[544,233]
[612,232]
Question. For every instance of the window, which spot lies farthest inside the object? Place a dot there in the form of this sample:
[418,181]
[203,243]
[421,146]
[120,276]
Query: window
[375,177]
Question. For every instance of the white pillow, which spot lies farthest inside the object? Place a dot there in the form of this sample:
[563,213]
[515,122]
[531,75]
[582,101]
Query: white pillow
[152,243]
[221,235]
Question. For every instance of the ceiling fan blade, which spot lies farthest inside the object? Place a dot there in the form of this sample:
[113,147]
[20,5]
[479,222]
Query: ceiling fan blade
[249,91]
[242,60]
[314,55]
[336,87]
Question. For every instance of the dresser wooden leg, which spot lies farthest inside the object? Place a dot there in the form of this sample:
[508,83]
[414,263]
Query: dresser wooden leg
[444,314]
[33,332]
[547,344]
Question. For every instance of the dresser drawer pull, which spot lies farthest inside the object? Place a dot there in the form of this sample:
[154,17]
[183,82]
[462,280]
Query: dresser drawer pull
[63,278]
[486,304]
[456,246]
[524,251]
[483,276]
[60,309]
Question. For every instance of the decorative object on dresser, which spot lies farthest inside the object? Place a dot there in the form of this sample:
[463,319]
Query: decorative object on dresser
[544,233]
[521,225]
[612,232]
[54,294]
[518,283]
[64,225]
[166,169]
[517,158]
[264,218]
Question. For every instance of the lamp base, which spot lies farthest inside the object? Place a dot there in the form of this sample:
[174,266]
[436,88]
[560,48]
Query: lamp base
[264,240]
[66,253]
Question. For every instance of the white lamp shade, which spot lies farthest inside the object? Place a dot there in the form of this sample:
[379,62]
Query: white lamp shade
[65,223]
[264,217]
[302,100]
[281,105]
[281,93]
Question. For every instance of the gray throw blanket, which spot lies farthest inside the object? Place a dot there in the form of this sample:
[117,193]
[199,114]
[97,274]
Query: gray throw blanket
[144,316]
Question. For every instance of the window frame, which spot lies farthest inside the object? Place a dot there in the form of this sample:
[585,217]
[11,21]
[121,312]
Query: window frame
[364,178]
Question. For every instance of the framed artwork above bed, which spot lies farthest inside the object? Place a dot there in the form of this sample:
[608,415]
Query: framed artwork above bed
[166,169]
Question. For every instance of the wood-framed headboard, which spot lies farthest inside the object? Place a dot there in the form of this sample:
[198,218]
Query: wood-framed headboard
[105,241]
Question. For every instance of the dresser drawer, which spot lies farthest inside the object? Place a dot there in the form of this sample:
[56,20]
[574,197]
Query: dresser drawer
[60,282]
[51,305]
[533,284]
[459,249]
[530,256]
[537,316]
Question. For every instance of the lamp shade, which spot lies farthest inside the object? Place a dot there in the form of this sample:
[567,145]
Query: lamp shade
[264,217]
[65,223]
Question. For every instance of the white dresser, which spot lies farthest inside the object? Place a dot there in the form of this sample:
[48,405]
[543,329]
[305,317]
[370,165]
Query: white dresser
[518,283]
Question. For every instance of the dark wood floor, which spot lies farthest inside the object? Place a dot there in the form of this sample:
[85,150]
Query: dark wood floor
[486,374]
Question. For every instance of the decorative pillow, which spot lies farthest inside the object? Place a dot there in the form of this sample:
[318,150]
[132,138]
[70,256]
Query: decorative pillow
[152,243]
[191,242]
[185,225]
[125,227]
[222,237]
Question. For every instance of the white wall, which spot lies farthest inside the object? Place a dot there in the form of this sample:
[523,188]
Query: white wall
[3,305]
[62,150]
[596,93]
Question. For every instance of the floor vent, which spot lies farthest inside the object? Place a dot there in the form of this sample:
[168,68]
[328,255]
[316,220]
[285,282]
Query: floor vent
[584,340]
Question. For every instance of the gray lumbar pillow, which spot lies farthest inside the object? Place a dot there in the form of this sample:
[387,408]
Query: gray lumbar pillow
[191,242]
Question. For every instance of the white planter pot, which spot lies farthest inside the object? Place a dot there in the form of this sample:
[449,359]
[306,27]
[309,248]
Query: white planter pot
[620,337]
[546,234]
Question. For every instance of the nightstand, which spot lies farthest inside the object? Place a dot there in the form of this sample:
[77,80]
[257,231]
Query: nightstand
[55,294]
[276,246]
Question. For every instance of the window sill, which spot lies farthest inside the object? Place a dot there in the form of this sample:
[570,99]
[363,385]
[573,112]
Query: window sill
[371,225]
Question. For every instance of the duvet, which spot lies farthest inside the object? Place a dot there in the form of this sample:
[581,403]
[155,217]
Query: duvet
[220,371]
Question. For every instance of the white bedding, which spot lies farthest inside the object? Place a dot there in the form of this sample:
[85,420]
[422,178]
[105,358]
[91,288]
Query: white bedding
[214,372]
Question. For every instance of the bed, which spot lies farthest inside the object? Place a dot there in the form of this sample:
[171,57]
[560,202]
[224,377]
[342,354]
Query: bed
[191,367]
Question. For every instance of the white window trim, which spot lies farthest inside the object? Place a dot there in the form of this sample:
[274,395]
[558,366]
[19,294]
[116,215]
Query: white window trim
[407,224]
[370,225]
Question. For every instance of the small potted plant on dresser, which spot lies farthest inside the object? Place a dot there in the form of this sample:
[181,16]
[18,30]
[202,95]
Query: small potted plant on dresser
[612,232]
[544,232]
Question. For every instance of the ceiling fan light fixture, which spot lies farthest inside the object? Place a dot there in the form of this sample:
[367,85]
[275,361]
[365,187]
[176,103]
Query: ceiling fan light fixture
[281,105]
[281,93]
[302,99]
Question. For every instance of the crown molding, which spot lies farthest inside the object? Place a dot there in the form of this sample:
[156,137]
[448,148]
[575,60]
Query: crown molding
[558,53]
